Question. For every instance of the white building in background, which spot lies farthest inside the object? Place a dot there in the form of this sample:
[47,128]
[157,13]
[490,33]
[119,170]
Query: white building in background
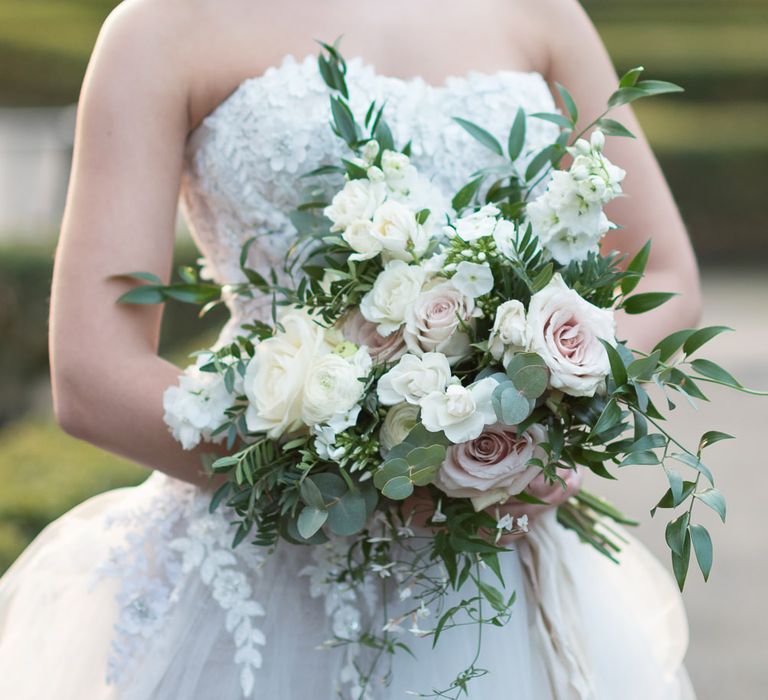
[35,157]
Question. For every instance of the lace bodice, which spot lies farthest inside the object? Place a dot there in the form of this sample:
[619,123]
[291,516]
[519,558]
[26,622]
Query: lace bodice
[243,162]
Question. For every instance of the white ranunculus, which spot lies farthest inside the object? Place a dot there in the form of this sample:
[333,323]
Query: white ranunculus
[195,407]
[473,279]
[460,412]
[276,375]
[399,421]
[333,386]
[509,334]
[394,290]
[398,233]
[358,200]
[504,236]
[413,378]
[433,321]
[359,236]
[565,330]
[477,224]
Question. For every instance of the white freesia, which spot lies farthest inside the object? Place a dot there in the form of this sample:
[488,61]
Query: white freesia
[277,373]
[413,378]
[359,236]
[196,407]
[358,200]
[399,421]
[473,279]
[334,386]
[460,412]
[565,330]
[478,224]
[396,287]
[397,232]
[510,333]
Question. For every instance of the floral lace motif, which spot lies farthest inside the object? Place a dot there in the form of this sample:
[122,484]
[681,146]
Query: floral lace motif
[167,543]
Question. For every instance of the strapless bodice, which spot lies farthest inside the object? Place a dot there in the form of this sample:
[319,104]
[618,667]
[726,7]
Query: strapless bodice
[243,163]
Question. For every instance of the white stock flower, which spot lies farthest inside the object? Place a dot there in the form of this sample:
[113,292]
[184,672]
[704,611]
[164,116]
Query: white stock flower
[509,334]
[396,287]
[477,224]
[473,279]
[399,421]
[397,232]
[359,236]
[358,200]
[460,412]
[413,378]
[398,171]
[504,236]
[195,407]
[565,330]
[276,375]
[333,386]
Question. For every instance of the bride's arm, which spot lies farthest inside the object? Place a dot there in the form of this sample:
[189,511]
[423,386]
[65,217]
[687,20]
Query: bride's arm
[577,59]
[108,380]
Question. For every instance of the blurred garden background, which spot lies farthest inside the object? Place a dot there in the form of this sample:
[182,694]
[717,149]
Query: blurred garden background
[713,145]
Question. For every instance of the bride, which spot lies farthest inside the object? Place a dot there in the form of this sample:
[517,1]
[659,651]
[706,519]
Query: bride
[136,594]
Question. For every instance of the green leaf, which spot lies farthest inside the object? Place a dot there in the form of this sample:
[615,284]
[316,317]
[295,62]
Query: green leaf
[675,484]
[511,406]
[332,486]
[144,276]
[193,293]
[711,437]
[711,370]
[643,457]
[668,346]
[310,521]
[516,136]
[554,118]
[640,303]
[715,500]
[529,374]
[702,545]
[610,127]
[610,416]
[668,500]
[145,294]
[680,562]
[492,595]
[348,515]
[398,488]
[424,462]
[568,101]
[618,370]
[636,268]
[702,336]
[392,479]
[344,121]
[694,462]
[542,158]
[643,367]
[676,531]
[543,278]
[465,195]
[630,77]
[480,134]
[310,494]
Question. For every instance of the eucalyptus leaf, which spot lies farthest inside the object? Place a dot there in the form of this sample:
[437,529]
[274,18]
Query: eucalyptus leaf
[310,521]
[348,515]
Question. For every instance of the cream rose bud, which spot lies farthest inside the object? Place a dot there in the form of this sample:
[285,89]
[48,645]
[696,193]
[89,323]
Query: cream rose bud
[358,200]
[394,290]
[359,236]
[333,386]
[492,466]
[473,279]
[509,334]
[460,412]
[399,421]
[565,330]
[413,378]
[398,233]
[433,321]
[276,374]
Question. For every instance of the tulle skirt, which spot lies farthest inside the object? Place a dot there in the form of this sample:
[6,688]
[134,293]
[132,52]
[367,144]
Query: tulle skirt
[136,595]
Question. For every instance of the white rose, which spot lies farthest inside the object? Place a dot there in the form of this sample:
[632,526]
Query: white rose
[396,230]
[433,321]
[399,421]
[509,333]
[396,287]
[359,236]
[477,224]
[413,378]
[333,386]
[358,200]
[460,412]
[276,375]
[473,279]
[565,330]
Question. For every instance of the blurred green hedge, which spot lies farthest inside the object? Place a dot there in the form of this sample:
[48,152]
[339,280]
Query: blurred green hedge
[44,473]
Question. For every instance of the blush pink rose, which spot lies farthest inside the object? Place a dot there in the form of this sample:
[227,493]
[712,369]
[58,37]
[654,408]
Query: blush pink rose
[381,348]
[493,466]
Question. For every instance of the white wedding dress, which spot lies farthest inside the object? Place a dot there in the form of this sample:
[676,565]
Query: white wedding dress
[136,593]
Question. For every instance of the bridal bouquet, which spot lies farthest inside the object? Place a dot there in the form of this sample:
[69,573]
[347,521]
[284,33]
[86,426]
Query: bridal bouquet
[440,369]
